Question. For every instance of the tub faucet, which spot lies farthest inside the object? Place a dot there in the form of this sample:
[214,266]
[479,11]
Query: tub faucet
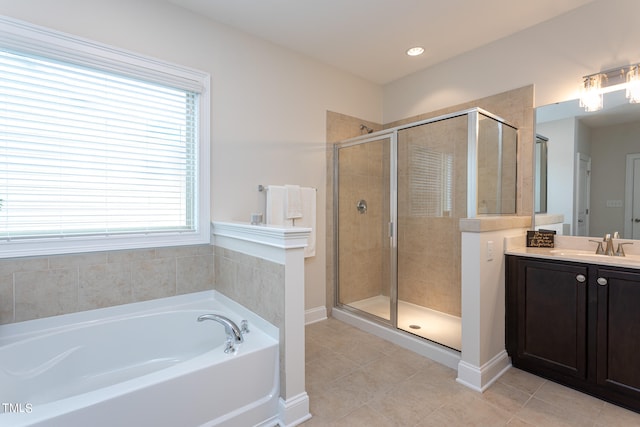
[234,334]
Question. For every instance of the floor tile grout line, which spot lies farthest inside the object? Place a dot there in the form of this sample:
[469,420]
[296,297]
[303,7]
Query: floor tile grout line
[513,413]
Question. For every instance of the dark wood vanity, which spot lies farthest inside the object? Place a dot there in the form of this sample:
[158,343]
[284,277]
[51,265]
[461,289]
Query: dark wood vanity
[577,324]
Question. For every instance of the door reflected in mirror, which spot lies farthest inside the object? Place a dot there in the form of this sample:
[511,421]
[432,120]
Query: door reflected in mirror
[592,168]
[540,178]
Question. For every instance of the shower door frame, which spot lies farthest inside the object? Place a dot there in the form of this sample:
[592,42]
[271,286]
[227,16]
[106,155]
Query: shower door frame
[392,136]
[392,133]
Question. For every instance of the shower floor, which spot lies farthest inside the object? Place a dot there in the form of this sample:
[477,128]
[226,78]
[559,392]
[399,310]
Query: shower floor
[434,325]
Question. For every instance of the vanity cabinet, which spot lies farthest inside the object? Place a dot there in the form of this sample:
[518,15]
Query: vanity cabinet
[577,324]
[618,332]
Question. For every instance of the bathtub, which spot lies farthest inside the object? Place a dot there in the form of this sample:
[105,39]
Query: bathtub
[148,363]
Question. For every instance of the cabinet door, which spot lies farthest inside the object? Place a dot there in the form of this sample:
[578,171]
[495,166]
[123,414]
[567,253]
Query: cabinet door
[618,332]
[551,317]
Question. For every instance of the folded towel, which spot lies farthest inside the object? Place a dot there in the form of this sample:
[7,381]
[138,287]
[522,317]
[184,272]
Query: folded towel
[277,206]
[275,212]
[293,202]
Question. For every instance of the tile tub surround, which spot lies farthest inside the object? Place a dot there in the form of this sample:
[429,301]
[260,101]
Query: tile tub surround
[36,287]
[262,268]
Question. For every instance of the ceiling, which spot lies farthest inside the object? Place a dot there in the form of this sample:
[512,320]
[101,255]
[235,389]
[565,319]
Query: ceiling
[369,37]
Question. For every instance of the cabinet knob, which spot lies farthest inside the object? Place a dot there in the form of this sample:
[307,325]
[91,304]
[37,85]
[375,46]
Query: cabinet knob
[580,278]
[602,281]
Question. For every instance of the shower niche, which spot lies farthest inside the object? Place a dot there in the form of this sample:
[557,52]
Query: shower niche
[398,262]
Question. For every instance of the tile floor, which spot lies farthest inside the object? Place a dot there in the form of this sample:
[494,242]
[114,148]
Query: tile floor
[356,379]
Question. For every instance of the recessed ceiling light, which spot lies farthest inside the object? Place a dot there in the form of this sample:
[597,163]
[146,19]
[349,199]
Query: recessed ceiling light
[415,51]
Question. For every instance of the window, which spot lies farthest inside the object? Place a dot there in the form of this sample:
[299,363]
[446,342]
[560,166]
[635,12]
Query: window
[430,182]
[99,148]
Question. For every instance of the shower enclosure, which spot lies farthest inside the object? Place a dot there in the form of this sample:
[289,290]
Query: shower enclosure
[399,197]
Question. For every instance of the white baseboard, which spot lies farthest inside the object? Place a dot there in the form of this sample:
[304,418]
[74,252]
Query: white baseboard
[481,378]
[314,315]
[294,411]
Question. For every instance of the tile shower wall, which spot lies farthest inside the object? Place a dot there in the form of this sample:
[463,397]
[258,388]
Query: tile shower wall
[339,128]
[497,171]
[429,212]
[38,287]
[364,256]
[515,106]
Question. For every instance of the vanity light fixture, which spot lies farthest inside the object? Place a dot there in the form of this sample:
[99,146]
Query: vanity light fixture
[415,51]
[591,93]
[595,85]
[633,84]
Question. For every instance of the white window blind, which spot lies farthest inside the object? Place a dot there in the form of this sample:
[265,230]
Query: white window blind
[87,153]
[430,182]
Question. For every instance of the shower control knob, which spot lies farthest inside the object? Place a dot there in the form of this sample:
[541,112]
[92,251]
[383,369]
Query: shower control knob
[361,206]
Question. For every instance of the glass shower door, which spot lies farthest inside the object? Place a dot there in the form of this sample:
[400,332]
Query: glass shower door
[432,197]
[363,249]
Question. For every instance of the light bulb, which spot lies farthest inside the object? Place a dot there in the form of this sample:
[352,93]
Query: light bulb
[633,85]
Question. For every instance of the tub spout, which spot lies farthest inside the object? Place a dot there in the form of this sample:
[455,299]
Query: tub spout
[234,334]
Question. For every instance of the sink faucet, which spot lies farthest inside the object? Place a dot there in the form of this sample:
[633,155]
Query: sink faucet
[608,248]
[609,241]
[234,334]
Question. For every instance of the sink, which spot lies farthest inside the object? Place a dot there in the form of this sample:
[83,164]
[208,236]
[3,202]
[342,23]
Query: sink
[575,252]
[581,254]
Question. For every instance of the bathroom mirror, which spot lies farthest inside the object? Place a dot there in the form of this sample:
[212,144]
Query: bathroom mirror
[591,158]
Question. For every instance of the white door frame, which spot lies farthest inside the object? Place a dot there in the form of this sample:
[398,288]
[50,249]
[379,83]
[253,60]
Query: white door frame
[628,196]
[580,157]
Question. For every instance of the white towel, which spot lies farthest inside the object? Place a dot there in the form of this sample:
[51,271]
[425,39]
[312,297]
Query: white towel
[275,212]
[292,201]
[308,219]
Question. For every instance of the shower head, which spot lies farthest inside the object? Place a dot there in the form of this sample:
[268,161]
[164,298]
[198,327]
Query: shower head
[367,128]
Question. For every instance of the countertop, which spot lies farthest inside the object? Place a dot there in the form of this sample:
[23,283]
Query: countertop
[577,249]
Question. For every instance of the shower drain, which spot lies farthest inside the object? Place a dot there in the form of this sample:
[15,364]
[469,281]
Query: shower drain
[415,326]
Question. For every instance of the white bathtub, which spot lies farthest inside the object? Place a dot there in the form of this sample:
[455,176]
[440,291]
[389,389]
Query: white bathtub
[142,364]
